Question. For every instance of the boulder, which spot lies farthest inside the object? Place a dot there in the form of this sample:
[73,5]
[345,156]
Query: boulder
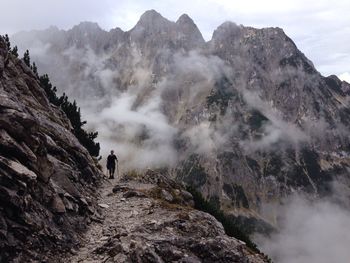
[57,205]
[166,195]
[19,170]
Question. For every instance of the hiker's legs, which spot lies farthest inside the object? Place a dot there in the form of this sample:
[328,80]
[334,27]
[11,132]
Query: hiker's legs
[111,174]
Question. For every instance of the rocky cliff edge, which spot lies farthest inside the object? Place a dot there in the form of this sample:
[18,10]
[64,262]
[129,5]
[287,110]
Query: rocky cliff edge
[47,179]
[150,218]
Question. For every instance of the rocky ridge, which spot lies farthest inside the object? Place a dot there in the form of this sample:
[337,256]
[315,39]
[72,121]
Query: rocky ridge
[47,178]
[149,218]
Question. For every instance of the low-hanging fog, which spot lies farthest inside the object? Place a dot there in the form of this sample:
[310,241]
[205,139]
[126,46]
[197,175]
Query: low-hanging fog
[310,231]
[133,122]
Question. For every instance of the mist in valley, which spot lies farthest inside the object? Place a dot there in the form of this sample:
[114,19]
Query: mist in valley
[309,231]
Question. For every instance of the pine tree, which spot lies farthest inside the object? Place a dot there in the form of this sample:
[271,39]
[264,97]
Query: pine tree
[26,58]
[71,109]
[14,51]
[7,40]
[50,91]
[73,113]
[35,69]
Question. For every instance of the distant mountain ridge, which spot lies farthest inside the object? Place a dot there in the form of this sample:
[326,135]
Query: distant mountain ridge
[245,117]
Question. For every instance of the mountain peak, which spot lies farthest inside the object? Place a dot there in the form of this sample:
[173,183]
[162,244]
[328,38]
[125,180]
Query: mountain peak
[151,13]
[226,29]
[228,26]
[190,29]
[184,19]
[150,17]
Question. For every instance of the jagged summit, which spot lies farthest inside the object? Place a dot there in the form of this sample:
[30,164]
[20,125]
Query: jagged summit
[190,30]
[184,19]
[225,29]
[150,14]
[151,19]
[153,31]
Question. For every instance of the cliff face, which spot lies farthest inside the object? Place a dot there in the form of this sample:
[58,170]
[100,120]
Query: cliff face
[47,179]
[248,119]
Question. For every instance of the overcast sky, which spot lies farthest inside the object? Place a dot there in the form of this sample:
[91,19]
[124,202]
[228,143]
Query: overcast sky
[320,28]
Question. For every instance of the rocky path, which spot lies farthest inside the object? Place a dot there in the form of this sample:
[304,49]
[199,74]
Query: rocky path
[150,219]
[116,211]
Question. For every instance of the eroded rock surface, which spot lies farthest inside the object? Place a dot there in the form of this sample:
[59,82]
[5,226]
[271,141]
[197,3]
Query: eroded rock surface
[142,225]
[47,179]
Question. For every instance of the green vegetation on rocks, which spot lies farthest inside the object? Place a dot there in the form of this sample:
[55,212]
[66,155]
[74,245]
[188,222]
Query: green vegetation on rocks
[230,227]
[70,108]
[73,113]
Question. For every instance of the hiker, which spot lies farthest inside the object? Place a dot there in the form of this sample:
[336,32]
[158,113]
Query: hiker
[111,162]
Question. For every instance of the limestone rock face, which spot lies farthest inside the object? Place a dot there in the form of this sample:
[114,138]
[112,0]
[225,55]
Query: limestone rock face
[44,170]
[254,120]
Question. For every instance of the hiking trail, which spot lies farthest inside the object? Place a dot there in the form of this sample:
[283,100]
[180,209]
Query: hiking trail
[150,218]
[115,216]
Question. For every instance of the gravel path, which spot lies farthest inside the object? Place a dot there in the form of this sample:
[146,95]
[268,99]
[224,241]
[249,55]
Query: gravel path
[151,219]
[117,211]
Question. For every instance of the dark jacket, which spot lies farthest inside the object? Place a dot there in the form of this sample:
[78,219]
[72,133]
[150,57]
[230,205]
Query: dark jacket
[111,160]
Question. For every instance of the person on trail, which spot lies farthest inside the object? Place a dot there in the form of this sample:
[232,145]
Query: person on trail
[111,162]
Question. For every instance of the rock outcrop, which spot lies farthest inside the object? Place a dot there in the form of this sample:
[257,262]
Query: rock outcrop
[47,178]
[150,218]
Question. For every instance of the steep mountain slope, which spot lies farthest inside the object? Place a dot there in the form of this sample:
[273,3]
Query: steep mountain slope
[244,117]
[47,179]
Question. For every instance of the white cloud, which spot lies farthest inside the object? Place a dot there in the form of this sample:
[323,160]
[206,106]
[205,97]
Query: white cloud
[205,139]
[141,138]
[275,131]
[345,76]
[313,232]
